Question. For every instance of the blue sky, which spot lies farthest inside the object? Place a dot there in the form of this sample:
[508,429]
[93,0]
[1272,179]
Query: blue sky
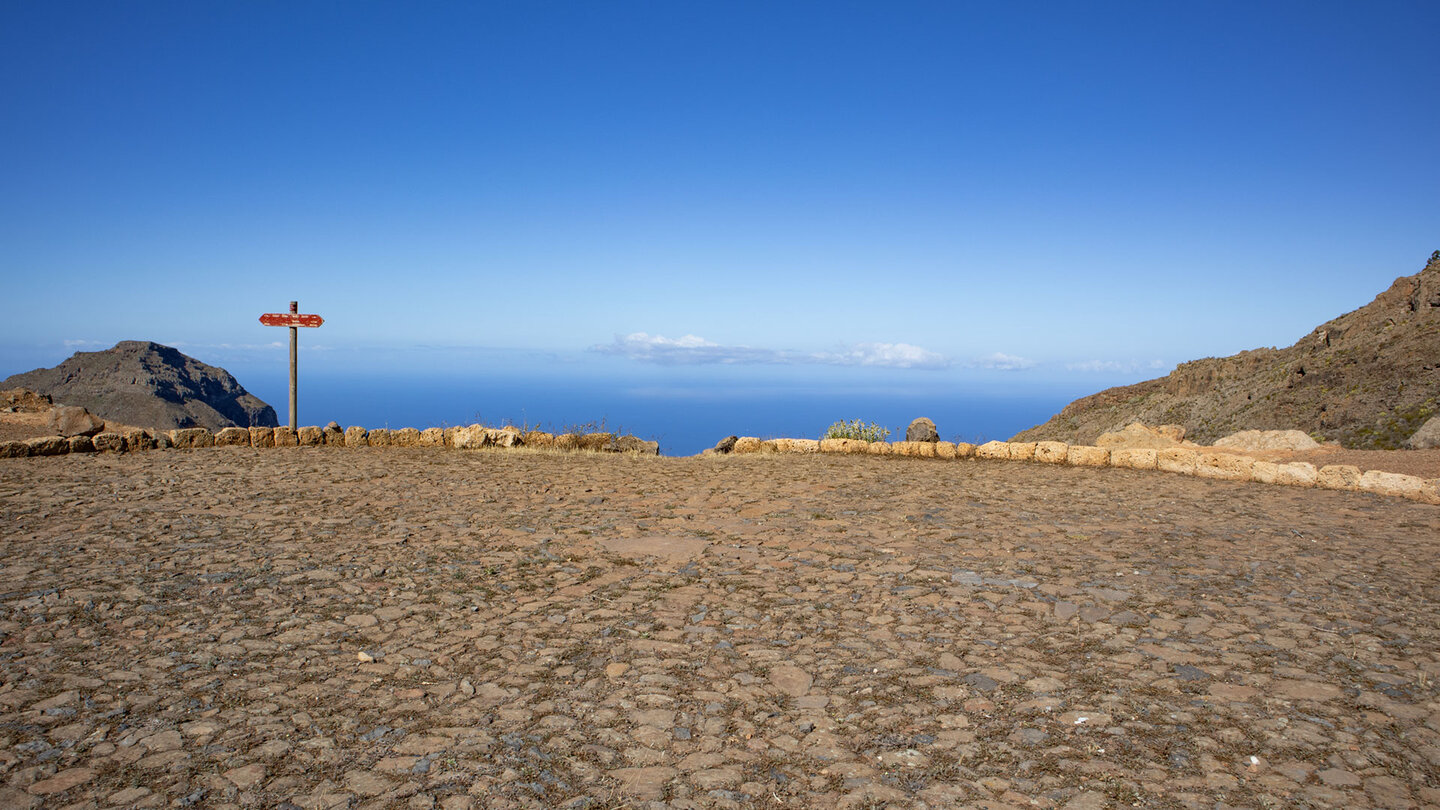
[844,193]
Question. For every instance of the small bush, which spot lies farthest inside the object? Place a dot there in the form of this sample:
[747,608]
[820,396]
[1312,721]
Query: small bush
[857,429]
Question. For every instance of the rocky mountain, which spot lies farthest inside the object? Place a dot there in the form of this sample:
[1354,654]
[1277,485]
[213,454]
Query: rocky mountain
[149,385]
[1367,379]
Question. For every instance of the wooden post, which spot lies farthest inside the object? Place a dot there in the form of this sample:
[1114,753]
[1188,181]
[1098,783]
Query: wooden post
[294,373]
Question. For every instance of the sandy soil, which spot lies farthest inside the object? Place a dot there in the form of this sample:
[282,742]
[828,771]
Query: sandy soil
[332,627]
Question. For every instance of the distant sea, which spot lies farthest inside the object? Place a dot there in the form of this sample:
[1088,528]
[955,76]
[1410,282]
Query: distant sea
[684,419]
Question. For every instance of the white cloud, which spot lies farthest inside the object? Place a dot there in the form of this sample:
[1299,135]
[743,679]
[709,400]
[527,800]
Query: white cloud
[1004,362]
[1115,366]
[75,344]
[694,350]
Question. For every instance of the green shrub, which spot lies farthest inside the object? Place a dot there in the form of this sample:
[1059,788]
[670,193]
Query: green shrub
[857,429]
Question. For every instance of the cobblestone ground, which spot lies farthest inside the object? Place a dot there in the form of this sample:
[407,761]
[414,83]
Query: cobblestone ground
[424,628]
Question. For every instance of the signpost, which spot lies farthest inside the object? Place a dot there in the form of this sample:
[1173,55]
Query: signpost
[292,319]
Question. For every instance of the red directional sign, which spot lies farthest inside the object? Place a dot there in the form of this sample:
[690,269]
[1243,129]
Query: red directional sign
[290,319]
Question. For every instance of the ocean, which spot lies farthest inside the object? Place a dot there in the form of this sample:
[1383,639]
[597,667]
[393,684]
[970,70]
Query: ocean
[684,416]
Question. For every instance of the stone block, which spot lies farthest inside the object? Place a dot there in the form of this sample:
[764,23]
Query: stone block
[746,444]
[14,449]
[47,446]
[964,450]
[1264,472]
[233,437]
[1134,458]
[356,436]
[1339,476]
[405,437]
[995,451]
[1080,455]
[1430,491]
[1297,474]
[432,437]
[191,438]
[879,449]
[137,439]
[801,445]
[1225,467]
[1052,452]
[310,436]
[511,436]
[539,438]
[595,442]
[1022,451]
[83,444]
[380,437]
[1395,485]
[262,436]
[1177,460]
[945,449]
[107,442]
[285,437]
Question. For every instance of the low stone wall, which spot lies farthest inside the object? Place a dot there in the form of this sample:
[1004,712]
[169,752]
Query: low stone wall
[460,438]
[1200,462]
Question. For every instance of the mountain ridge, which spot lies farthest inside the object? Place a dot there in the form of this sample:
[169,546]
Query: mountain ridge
[1367,379]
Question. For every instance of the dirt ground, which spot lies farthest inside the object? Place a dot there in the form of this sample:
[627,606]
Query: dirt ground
[415,628]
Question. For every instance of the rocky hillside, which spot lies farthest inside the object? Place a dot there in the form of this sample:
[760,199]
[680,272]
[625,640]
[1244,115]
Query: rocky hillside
[1367,379]
[146,384]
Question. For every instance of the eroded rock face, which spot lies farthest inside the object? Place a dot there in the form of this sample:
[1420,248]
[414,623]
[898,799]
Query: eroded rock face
[1427,437]
[1268,440]
[921,430]
[1139,435]
[72,420]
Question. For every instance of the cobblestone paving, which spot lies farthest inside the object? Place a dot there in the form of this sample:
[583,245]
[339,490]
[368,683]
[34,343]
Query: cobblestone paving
[425,628]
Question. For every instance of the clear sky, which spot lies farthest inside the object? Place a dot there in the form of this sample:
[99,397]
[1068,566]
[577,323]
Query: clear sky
[846,191]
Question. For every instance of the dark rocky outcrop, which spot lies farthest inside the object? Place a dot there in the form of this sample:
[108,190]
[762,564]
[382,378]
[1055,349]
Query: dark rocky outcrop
[1367,379]
[922,430]
[146,384]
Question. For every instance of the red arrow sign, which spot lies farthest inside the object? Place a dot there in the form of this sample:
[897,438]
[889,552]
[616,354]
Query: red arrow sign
[290,319]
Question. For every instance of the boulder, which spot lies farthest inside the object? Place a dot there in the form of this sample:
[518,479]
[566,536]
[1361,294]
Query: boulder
[1430,491]
[1393,484]
[567,441]
[380,437]
[802,446]
[1022,451]
[1134,458]
[945,450]
[1225,467]
[232,437]
[162,440]
[921,430]
[334,434]
[1080,455]
[996,451]
[14,449]
[69,420]
[725,445]
[190,438]
[285,437]
[843,446]
[1268,440]
[106,442]
[432,437]
[137,439]
[1139,435]
[1339,476]
[47,446]
[310,436]
[405,437]
[262,437]
[1052,452]
[510,436]
[879,448]
[539,438]
[83,443]
[1427,437]
[964,450]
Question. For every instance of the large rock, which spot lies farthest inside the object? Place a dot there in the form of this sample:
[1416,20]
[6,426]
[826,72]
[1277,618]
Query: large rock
[232,437]
[189,438]
[48,446]
[1138,435]
[921,430]
[106,442]
[1427,437]
[23,400]
[149,385]
[633,445]
[1268,440]
[72,420]
[725,445]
